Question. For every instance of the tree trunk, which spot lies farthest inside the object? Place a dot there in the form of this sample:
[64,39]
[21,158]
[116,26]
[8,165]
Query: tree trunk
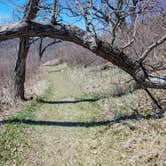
[101,48]
[40,49]
[21,67]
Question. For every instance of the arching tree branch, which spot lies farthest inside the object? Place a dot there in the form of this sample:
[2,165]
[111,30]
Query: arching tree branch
[87,40]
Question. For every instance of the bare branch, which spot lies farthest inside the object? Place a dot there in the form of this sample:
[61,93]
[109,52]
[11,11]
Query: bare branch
[32,8]
[133,36]
[151,47]
[54,13]
[161,110]
[87,40]
[50,44]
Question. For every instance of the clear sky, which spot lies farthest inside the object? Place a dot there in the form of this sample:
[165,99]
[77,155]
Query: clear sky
[7,13]
[7,8]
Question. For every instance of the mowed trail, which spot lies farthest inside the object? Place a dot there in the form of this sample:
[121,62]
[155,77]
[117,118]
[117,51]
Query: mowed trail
[68,129]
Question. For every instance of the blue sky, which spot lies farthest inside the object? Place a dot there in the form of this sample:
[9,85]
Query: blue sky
[5,13]
[7,8]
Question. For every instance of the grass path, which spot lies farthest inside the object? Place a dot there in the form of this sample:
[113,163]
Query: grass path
[61,126]
[67,128]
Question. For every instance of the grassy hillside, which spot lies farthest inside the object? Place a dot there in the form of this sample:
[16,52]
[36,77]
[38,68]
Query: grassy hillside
[73,124]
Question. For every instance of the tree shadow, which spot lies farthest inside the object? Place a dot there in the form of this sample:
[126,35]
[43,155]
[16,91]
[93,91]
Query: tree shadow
[82,100]
[77,124]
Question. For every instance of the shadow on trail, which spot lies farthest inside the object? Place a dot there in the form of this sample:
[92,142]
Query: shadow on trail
[81,100]
[84,100]
[77,124]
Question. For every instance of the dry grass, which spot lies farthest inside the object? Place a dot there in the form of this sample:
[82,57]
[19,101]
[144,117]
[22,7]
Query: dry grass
[104,80]
[54,134]
[66,52]
[141,139]
[8,57]
[114,83]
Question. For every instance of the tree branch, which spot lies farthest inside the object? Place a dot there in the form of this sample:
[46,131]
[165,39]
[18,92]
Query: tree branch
[54,13]
[31,10]
[151,47]
[87,40]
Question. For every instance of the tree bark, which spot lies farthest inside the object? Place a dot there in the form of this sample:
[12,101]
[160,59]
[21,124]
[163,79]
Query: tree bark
[40,49]
[101,48]
[20,68]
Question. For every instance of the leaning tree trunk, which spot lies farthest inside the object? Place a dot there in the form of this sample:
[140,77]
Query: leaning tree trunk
[21,67]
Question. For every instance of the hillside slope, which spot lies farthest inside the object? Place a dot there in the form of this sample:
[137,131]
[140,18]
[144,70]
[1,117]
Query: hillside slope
[66,126]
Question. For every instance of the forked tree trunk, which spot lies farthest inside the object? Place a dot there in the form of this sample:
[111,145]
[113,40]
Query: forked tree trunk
[21,67]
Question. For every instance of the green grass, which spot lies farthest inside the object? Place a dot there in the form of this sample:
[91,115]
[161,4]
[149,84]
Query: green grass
[54,136]
[13,136]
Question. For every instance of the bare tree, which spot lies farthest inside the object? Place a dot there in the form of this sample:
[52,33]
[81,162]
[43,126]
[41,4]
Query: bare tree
[113,14]
[43,48]
[30,13]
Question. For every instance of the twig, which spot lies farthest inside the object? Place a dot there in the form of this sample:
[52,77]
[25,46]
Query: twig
[133,36]
[151,47]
